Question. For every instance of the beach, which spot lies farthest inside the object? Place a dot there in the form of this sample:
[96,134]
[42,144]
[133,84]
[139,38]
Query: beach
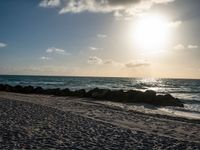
[30,121]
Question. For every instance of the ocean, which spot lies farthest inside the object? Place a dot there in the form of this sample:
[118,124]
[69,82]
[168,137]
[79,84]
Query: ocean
[188,90]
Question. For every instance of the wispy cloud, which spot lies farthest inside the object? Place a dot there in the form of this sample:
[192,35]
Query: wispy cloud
[175,24]
[179,47]
[57,50]
[92,48]
[183,47]
[101,35]
[117,7]
[49,3]
[95,60]
[2,45]
[162,1]
[45,58]
[193,46]
[109,62]
[136,64]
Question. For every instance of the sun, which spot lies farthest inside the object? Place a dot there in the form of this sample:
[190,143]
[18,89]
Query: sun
[151,32]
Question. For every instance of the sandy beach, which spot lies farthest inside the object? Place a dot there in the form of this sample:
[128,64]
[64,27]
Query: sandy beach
[49,122]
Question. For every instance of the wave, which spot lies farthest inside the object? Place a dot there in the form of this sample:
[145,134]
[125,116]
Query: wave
[191,101]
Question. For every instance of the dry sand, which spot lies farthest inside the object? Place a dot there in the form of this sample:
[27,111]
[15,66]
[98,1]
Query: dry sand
[44,122]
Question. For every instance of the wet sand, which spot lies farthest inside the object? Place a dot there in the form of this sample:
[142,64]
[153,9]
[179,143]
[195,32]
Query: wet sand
[44,122]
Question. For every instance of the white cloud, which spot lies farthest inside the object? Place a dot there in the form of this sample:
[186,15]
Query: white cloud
[118,7]
[182,47]
[175,24]
[193,46]
[132,64]
[163,1]
[45,58]
[179,47]
[95,60]
[49,3]
[109,62]
[94,48]
[101,35]
[136,64]
[57,50]
[2,45]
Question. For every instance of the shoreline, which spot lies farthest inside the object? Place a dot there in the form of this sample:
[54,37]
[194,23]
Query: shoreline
[81,106]
[130,96]
[48,128]
[147,110]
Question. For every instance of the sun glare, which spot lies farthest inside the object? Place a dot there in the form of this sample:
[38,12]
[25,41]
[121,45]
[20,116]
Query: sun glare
[151,32]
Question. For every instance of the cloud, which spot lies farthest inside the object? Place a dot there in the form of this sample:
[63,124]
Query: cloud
[94,48]
[2,45]
[95,60]
[113,63]
[175,24]
[132,64]
[136,64]
[193,46]
[57,50]
[179,47]
[45,58]
[109,62]
[117,7]
[182,47]
[49,3]
[101,35]
[162,1]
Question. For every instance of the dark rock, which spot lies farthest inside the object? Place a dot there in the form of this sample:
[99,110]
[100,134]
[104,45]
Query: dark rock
[168,100]
[18,88]
[134,96]
[28,89]
[130,96]
[118,95]
[65,92]
[8,88]
[2,87]
[39,90]
[150,94]
[101,94]
[79,93]
[90,92]
[56,92]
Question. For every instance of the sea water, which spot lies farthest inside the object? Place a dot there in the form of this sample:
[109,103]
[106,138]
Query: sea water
[188,90]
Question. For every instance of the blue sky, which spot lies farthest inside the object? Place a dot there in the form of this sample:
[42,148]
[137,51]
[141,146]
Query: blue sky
[94,38]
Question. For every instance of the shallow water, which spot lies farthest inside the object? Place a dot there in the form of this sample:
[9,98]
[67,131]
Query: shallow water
[187,90]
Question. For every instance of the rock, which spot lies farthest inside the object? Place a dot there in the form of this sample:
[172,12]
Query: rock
[150,94]
[39,90]
[28,89]
[18,88]
[118,95]
[134,96]
[101,94]
[2,87]
[65,92]
[8,88]
[56,92]
[168,100]
[90,92]
[79,93]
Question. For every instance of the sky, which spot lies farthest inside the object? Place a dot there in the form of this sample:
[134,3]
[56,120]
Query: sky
[117,38]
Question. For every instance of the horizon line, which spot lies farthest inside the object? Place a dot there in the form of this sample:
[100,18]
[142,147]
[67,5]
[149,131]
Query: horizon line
[88,76]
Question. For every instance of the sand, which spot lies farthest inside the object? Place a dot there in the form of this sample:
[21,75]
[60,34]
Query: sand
[44,122]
